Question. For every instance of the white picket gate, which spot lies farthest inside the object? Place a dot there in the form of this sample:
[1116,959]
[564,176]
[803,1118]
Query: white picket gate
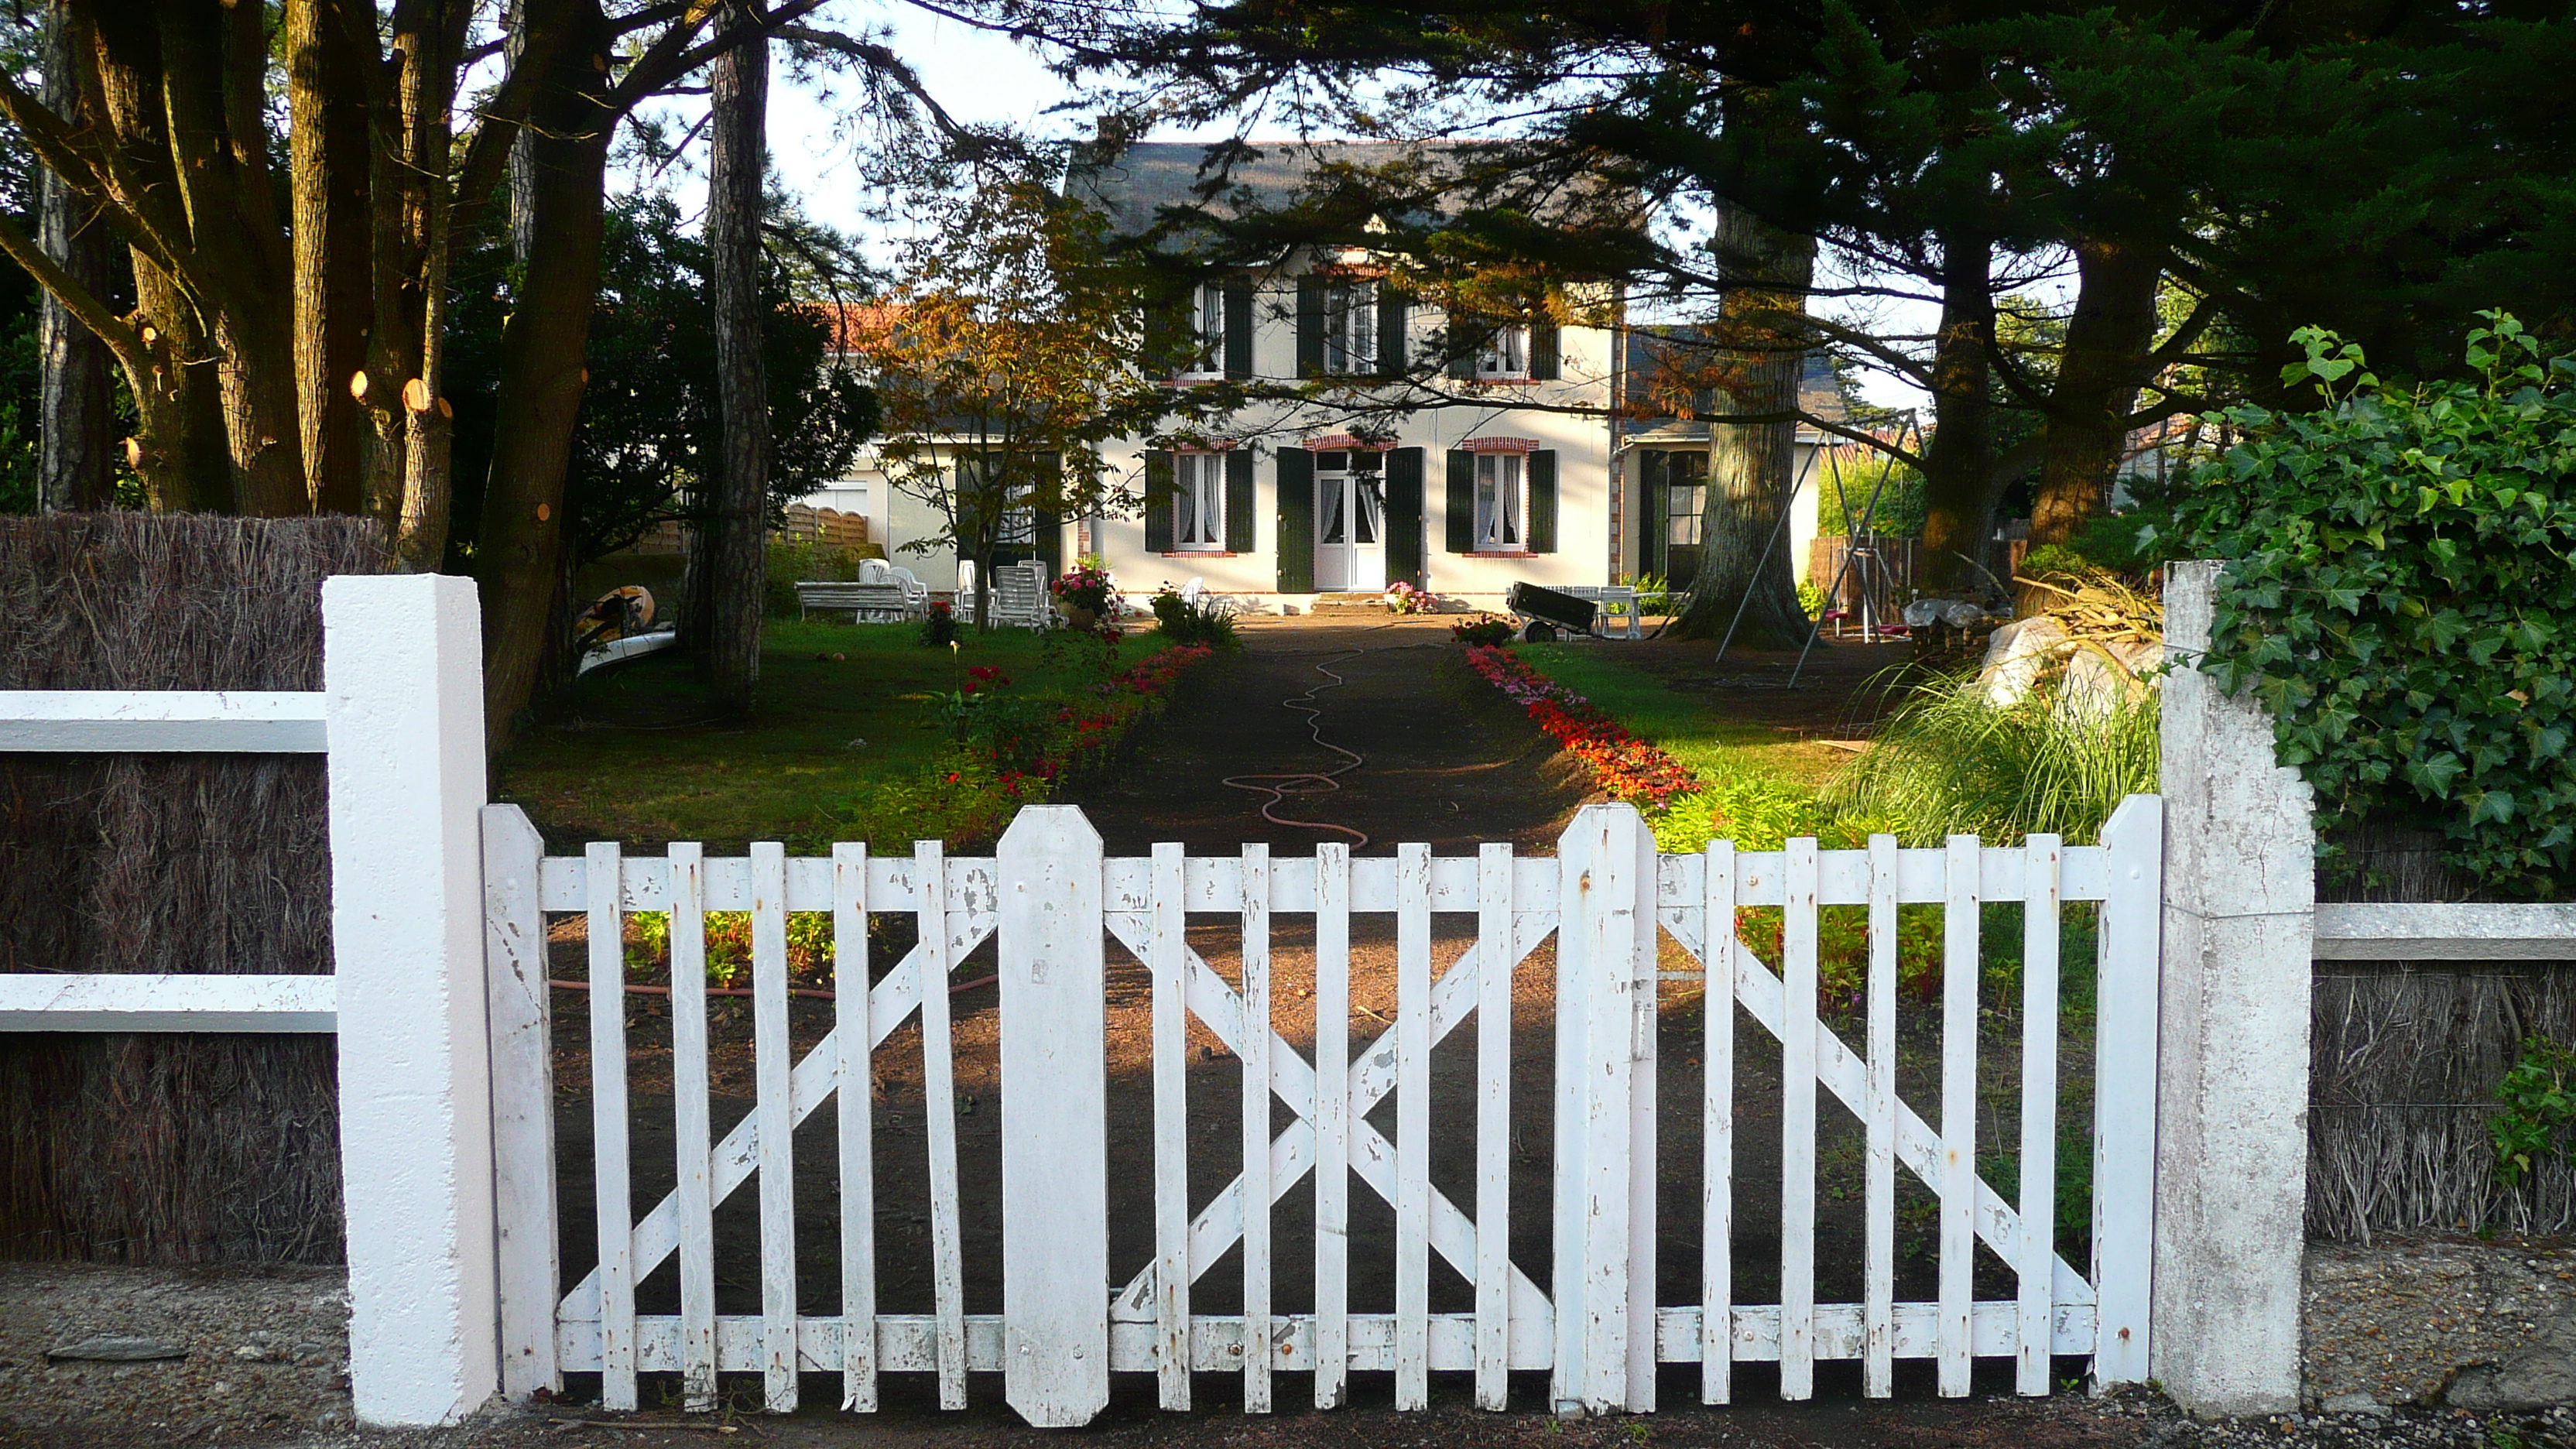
[1054,902]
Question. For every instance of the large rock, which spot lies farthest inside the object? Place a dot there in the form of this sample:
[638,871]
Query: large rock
[2016,655]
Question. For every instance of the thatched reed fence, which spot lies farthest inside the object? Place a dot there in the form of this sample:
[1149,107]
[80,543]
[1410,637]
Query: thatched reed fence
[167,1148]
[2405,1058]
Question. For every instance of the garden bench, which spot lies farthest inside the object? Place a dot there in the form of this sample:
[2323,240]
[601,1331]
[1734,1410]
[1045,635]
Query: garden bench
[868,603]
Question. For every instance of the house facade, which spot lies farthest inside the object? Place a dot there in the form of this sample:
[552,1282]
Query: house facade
[1514,463]
[1502,472]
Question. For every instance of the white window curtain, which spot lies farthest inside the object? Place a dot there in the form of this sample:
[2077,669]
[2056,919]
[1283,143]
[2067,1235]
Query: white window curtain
[1506,355]
[1207,331]
[1350,328]
[1502,504]
[1198,501]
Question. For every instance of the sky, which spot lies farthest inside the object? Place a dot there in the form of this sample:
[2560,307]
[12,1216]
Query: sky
[978,76]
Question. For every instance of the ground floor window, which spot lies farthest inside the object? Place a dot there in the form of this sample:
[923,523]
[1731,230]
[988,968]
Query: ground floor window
[1198,501]
[1502,503]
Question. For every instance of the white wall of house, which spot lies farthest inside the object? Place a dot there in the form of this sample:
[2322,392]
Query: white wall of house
[1584,550]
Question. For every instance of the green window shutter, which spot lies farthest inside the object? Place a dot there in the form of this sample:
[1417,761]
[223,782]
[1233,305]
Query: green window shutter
[1167,331]
[1544,347]
[1462,502]
[1404,516]
[1391,314]
[1296,521]
[1238,502]
[1542,499]
[1158,501]
[1459,341]
[1238,329]
[1310,327]
[1047,509]
[1651,495]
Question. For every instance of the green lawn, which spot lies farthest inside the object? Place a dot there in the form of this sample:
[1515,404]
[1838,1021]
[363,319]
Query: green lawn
[639,762]
[1760,781]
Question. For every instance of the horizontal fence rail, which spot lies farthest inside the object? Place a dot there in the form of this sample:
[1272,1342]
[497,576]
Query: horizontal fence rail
[110,721]
[1607,902]
[34,1001]
[2431,931]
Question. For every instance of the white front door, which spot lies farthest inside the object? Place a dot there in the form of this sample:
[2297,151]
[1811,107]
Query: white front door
[1350,523]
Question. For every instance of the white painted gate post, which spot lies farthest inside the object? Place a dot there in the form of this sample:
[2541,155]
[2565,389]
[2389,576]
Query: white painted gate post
[403,689]
[1055,1119]
[2232,1070]
[1605,1108]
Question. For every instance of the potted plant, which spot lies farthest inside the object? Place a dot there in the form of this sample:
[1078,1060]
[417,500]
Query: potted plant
[1083,595]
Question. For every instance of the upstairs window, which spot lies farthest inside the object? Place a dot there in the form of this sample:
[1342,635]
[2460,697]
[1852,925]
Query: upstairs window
[1198,501]
[1350,328]
[1505,356]
[1207,332]
[1502,503]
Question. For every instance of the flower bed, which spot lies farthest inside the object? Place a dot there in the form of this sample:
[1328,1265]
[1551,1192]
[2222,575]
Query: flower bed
[1010,751]
[1628,768]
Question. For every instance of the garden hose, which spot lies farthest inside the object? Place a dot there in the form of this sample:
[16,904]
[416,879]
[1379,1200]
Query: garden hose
[1309,782]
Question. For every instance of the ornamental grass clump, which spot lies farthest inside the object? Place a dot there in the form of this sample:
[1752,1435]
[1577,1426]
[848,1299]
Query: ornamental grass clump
[1951,763]
[2400,592]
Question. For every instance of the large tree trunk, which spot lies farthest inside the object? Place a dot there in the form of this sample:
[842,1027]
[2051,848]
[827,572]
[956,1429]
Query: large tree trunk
[74,469]
[427,88]
[1959,485]
[219,142]
[1744,561]
[543,349]
[739,148]
[327,50]
[2098,376]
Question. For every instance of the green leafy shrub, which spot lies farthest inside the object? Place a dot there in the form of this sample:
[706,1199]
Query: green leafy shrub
[1207,621]
[2538,1094]
[2398,591]
[812,563]
[1485,631]
[1949,763]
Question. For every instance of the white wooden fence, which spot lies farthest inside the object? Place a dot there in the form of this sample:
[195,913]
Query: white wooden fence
[447,1097]
[1053,902]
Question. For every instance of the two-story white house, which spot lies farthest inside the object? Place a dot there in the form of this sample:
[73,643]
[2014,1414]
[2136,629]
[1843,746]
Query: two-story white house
[1286,501]
[1515,464]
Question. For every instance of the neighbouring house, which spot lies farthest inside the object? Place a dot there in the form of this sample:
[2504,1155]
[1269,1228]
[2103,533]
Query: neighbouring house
[1660,474]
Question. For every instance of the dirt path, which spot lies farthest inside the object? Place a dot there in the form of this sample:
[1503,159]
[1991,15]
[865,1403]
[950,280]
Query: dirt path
[1448,760]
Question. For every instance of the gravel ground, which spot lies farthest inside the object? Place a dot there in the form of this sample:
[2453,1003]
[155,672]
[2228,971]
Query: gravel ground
[266,1365]
[267,1350]
[2468,1324]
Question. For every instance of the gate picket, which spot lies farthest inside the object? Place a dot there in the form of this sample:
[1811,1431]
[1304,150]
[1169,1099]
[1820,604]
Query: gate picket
[690,1127]
[857,1100]
[1255,1057]
[1878,1291]
[1604,898]
[939,1121]
[772,1096]
[607,933]
[1163,957]
[1412,1126]
[1331,1116]
[2037,1260]
[1961,976]
[1717,1128]
[1491,960]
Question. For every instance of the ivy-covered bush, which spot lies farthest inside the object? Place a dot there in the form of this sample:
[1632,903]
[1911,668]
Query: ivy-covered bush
[2400,591]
